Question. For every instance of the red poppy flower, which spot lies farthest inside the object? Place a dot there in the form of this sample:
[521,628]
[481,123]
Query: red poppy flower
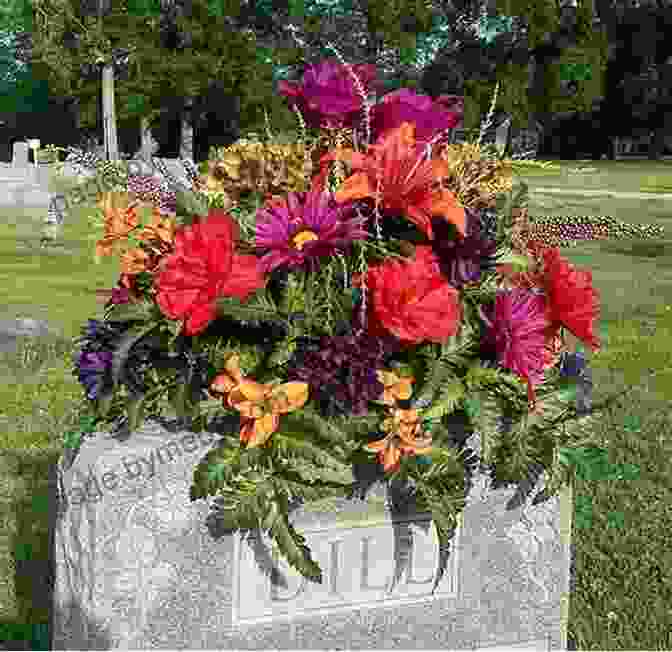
[203,267]
[412,300]
[574,302]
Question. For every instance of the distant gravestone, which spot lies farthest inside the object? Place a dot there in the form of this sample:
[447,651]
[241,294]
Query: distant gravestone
[20,155]
[502,135]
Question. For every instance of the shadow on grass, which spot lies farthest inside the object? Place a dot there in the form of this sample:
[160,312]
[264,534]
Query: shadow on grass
[642,249]
[36,511]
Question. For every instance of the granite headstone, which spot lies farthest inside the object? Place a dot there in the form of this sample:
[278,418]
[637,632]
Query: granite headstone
[140,566]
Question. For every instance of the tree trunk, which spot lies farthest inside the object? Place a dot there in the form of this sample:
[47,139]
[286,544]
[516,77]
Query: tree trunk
[187,133]
[109,115]
[147,142]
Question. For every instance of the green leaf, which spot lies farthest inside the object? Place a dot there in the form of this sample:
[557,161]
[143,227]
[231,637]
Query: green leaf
[104,404]
[135,413]
[583,512]
[72,439]
[616,520]
[128,340]
[292,545]
[216,472]
[190,204]
[447,401]
[255,309]
[627,471]
[632,424]
[142,311]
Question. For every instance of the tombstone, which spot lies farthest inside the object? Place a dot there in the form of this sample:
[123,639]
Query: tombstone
[502,135]
[139,565]
[20,152]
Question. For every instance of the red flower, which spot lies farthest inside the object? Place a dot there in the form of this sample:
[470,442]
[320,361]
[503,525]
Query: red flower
[412,300]
[203,267]
[574,302]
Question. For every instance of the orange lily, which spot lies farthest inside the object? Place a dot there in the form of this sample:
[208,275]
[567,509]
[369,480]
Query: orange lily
[405,437]
[260,404]
[397,388]
[161,230]
[120,219]
[408,184]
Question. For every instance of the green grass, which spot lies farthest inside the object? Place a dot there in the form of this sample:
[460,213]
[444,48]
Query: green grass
[623,597]
[625,176]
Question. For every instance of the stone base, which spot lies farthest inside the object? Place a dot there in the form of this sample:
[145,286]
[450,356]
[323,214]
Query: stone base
[139,566]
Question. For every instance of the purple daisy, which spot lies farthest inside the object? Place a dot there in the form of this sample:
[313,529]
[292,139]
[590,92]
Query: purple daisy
[304,227]
[517,332]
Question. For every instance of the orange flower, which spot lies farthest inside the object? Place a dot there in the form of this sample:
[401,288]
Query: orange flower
[161,230]
[405,437]
[260,404]
[120,219]
[407,183]
[397,388]
[135,261]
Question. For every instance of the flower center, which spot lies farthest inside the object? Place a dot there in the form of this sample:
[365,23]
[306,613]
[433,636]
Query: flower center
[299,239]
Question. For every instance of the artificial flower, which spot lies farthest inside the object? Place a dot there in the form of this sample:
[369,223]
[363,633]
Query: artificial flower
[404,105]
[340,370]
[574,302]
[161,230]
[464,259]
[395,173]
[327,95]
[395,387]
[120,219]
[412,300]
[259,404]
[202,267]
[405,437]
[519,332]
[304,227]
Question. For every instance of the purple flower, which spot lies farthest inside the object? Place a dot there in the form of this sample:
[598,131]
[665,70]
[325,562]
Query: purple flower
[462,260]
[120,295]
[327,95]
[517,332]
[404,105]
[92,371]
[305,227]
[572,364]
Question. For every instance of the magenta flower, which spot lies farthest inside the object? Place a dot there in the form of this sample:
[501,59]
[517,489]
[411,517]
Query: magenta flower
[518,331]
[404,105]
[305,227]
[327,95]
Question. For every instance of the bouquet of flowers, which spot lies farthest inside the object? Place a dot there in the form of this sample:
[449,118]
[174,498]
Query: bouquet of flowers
[345,297]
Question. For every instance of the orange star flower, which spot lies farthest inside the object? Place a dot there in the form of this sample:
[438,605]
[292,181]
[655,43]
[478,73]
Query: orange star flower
[405,437]
[120,218]
[397,388]
[260,404]
[408,184]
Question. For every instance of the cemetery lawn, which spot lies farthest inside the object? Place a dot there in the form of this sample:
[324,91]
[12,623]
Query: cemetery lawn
[623,593]
[624,176]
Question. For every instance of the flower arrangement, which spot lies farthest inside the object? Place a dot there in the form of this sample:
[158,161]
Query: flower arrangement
[345,297]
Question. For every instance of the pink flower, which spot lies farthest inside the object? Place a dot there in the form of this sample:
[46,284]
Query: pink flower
[327,95]
[304,227]
[404,105]
[518,331]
